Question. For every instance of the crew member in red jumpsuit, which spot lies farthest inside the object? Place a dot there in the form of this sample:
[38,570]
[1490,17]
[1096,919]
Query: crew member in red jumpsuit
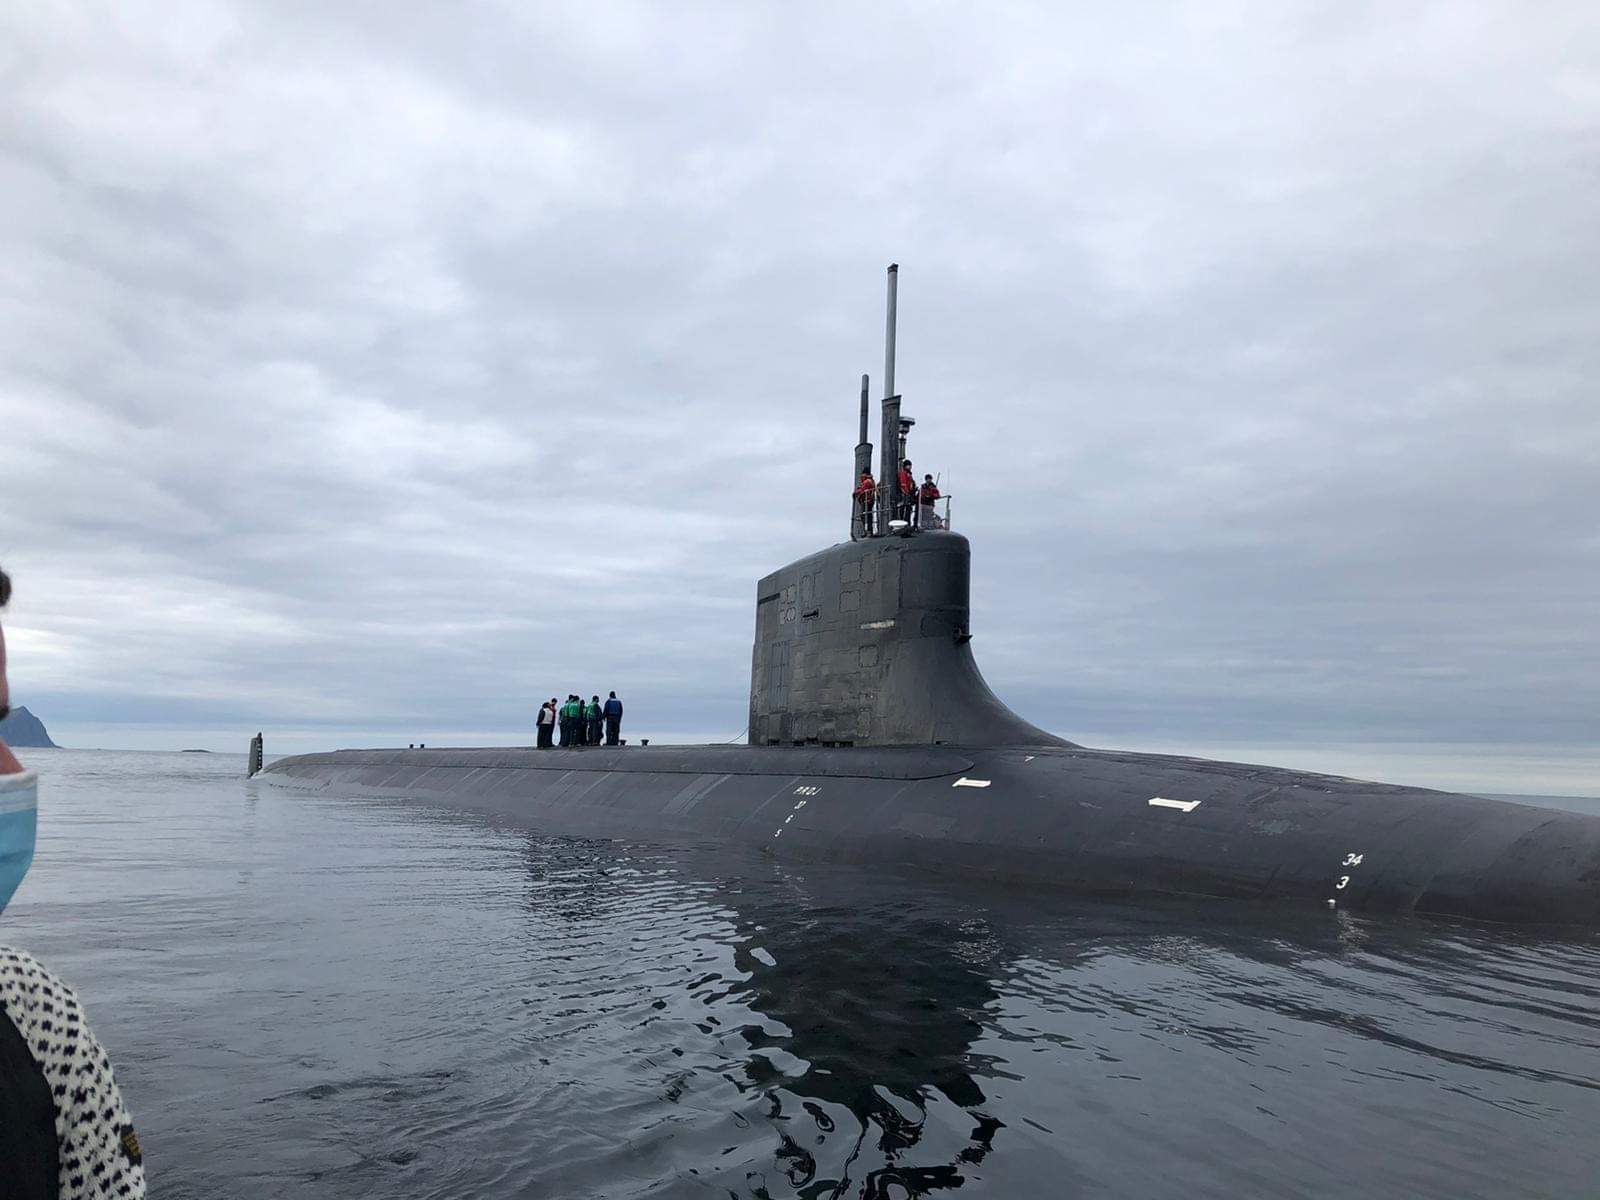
[908,492]
[866,493]
[928,500]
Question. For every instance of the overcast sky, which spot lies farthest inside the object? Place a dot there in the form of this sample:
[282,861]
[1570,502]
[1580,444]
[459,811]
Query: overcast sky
[370,371]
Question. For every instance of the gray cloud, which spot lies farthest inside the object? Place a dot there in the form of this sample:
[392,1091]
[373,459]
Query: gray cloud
[385,370]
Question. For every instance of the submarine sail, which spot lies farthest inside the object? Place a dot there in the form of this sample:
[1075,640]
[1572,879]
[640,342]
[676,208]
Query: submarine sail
[868,644]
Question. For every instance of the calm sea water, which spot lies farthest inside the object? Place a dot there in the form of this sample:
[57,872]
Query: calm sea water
[324,996]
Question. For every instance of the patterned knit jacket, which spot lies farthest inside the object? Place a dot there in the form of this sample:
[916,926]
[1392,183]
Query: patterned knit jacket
[99,1154]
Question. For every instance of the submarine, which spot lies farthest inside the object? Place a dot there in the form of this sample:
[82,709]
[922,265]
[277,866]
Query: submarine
[874,739]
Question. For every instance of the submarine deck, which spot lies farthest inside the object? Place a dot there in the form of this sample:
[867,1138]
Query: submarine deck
[1064,817]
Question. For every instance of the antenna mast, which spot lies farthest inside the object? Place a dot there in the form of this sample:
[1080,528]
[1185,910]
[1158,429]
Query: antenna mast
[889,439]
[859,523]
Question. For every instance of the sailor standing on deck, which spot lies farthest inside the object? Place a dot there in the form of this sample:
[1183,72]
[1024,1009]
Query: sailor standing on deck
[908,493]
[547,720]
[591,719]
[613,715]
[566,722]
[928,499]
[866,495]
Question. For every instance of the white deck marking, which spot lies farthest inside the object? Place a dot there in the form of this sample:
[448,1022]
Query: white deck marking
[798,805]
[965,782]
[1163,802]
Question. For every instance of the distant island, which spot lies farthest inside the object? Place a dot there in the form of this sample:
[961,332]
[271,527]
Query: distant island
[22,728]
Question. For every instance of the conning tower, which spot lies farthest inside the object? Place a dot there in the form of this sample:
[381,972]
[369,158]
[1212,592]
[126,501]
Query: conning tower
[866,643]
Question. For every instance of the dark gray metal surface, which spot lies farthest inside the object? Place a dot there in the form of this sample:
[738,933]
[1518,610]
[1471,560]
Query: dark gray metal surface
[866,643]
[1058,817]
[661,760]
[889,463]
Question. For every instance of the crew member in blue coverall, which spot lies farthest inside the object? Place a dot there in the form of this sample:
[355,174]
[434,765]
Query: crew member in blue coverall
[613,715]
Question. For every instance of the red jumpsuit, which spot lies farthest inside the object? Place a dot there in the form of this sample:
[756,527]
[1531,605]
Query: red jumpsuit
[866,493]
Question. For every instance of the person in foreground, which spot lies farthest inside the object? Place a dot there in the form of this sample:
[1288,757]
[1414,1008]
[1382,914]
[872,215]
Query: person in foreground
[64,1131]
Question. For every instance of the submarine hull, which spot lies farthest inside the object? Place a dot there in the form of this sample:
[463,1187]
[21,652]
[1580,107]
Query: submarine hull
[874,739]
[1055,816]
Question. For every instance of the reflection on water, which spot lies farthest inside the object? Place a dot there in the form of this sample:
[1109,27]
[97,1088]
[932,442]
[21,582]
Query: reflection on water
[350,998]
[869,1033]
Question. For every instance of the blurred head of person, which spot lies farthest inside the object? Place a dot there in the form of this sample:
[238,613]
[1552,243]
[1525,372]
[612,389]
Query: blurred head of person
[19,792]
[5,689]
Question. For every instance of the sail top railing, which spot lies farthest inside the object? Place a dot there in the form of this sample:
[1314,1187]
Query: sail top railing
[910,516]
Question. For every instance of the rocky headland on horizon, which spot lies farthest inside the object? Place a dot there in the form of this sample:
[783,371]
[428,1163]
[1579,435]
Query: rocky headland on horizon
[21,728]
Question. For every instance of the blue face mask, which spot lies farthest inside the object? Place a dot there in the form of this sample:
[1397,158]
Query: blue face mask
[19,825]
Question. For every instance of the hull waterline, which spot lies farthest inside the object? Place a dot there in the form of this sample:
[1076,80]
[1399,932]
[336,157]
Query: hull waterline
[1064,818]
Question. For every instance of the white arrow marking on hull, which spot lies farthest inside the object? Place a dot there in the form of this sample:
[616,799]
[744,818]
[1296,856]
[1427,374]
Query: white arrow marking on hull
[965,782]
[1163,802]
